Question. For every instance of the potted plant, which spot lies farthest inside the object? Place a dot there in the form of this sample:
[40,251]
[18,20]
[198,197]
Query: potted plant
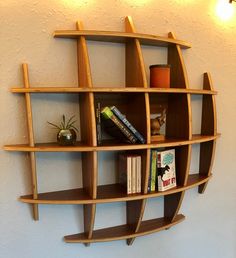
[66,131]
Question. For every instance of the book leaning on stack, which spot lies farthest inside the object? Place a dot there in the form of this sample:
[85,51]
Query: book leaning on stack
[117,125]
[130,173]
[162,170]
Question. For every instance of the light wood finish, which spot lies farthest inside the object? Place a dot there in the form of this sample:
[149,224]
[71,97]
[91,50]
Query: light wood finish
[120,37]
[178,124]
[109,145]
[108,193]
[138,102]
[31,141]
[208,125]
[110,89]
[88,132]
[135,75]
[124,231]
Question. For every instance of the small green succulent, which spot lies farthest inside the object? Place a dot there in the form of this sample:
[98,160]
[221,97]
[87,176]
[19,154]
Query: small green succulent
[65,125]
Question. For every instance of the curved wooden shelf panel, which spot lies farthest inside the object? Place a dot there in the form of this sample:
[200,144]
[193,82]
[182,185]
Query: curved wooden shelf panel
[124,231]
[107,193]
[120,37]
[111,89]
[208,125]
[79,147]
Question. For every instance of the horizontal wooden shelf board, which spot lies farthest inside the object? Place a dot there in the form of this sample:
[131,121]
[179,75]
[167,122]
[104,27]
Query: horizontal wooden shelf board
[124,231]
[109,89]
[121,37]
[107,193]
[108,145]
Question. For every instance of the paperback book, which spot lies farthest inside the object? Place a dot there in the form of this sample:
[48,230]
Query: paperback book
[166,175]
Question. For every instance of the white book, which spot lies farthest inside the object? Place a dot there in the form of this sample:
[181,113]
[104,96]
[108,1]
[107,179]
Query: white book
[138,175]
[166,175]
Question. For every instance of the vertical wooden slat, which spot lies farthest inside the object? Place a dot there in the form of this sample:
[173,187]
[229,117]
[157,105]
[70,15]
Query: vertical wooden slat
[31,140]
[136,77]
[208,127]
[88,132]
[178,124]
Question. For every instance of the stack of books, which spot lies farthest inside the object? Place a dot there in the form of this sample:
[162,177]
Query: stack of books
[130,173]
[116,125]
[162,170]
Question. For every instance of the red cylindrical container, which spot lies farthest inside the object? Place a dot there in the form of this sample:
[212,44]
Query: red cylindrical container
[160,76]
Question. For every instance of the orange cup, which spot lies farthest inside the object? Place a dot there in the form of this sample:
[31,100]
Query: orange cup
[160,76]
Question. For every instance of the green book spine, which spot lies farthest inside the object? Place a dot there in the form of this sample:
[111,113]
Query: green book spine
[153,170]
[108,114]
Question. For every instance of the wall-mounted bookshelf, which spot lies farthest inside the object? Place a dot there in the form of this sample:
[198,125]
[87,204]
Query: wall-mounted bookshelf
[138,101]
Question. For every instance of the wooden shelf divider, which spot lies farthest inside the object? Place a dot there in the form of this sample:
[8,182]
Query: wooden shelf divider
[137,100]
[208,125]
[88,132]
[31,140]
[178,124]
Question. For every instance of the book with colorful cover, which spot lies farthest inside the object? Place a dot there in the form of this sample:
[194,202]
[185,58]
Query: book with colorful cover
[125,121]
[115,127]
[166,174]
[153,170]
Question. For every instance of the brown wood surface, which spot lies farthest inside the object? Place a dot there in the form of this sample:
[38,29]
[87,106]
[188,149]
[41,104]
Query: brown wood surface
[107,193]
[178,124]
[120,89]
[208,125]
[109,145]
[135,73]
[124,231]
[121,37]
[31,140]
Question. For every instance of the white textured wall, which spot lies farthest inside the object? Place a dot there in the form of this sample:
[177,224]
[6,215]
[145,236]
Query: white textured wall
[26,28]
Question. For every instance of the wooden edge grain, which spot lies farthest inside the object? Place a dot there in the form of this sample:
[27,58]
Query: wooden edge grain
[123,232]
[61,197]
[31,140]
[120,37]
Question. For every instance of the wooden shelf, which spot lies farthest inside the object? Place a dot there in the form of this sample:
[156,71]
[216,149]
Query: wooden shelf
[108,145]
[106,194]
[138,101]
[125,231]
[120,37]
[110,89]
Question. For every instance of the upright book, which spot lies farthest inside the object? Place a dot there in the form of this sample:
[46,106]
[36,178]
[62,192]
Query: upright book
[166,175]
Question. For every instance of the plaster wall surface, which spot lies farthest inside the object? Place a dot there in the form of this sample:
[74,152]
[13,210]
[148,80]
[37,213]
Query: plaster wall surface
[209,230]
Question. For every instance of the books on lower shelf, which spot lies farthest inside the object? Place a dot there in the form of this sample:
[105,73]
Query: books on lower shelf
[162,170]
[116,124]
[130,173]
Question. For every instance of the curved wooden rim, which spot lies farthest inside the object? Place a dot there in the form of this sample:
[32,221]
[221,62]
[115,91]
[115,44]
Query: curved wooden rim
[120,37]
[161,224]
[109,89]
[53,147]
[202,179]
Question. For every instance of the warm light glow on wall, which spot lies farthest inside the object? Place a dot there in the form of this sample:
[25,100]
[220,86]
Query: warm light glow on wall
[77,3]
[138,2]
[224,10]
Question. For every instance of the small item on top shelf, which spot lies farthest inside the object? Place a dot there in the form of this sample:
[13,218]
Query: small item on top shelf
[66,135]
[160,76]
[156,124]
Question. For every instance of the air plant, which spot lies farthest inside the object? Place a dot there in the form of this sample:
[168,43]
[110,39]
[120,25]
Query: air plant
[65,125]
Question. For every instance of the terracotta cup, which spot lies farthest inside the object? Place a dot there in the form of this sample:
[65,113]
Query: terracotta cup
[160,76]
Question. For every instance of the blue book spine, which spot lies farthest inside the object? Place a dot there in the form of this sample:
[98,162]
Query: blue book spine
[116,111]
